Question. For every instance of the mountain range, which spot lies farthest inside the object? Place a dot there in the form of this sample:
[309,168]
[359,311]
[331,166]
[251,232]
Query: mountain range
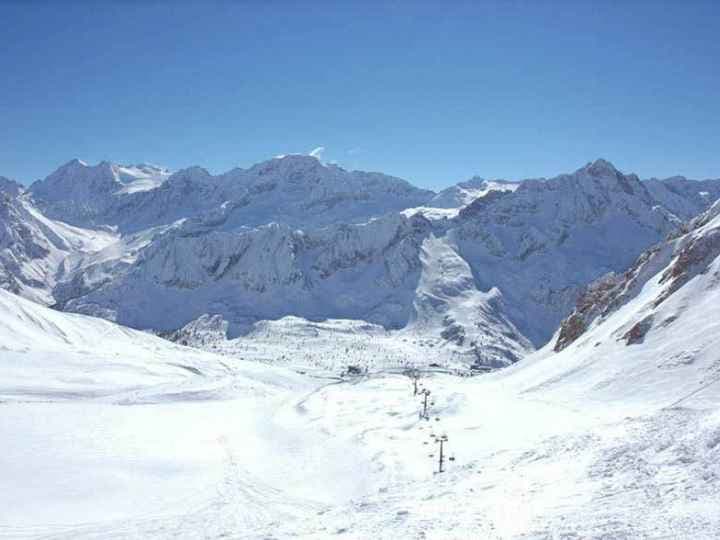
[483,272]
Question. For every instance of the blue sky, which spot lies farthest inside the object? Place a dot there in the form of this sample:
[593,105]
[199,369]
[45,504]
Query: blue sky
[431,92]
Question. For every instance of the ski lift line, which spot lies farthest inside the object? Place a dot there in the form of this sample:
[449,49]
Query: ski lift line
[691,394]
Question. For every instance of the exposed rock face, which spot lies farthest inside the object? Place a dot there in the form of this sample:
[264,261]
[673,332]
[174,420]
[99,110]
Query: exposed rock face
[203,332]
[672,264]
[637,333]
[602,297]
[691,259]
[570,329]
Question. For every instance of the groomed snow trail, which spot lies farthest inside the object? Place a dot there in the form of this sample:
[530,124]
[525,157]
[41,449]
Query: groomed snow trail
[351,462]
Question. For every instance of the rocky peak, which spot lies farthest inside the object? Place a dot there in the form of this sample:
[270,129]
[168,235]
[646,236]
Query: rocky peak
[602,172]
[194,174]
[10,187]
[73,164]
[600,168]
[287,164]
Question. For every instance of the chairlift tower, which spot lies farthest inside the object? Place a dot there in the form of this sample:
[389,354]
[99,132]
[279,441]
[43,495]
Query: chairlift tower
[441,456]
[425,393]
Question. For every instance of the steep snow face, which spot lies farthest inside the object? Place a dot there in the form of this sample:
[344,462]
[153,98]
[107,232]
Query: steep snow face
[295,190]
[81,272]
[141,177]
[392,272]
[32,247]
[366,272]
[464,193]
[447,302]
[448,203]
[541,243]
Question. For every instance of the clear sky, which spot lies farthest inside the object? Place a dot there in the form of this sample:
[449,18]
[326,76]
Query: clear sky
[431,92]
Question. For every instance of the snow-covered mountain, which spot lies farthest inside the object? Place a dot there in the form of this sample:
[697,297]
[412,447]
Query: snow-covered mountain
[539,244]
[485,284]
[485,270]
[464,193]
[10,187]
[684,198]
[295,189]
[87,195]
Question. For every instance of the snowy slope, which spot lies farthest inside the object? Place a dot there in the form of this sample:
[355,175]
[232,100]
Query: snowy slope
[33,247]
[658,318]
[101,422]
[50,355]
[140,177]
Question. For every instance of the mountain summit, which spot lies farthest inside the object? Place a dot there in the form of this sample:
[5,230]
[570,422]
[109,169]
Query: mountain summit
[295,189]
[600,167]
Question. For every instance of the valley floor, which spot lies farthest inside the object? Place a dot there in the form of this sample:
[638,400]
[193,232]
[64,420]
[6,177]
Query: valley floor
[313,458]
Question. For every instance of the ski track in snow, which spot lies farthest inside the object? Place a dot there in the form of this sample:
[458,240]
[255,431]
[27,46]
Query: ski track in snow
[584,476]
